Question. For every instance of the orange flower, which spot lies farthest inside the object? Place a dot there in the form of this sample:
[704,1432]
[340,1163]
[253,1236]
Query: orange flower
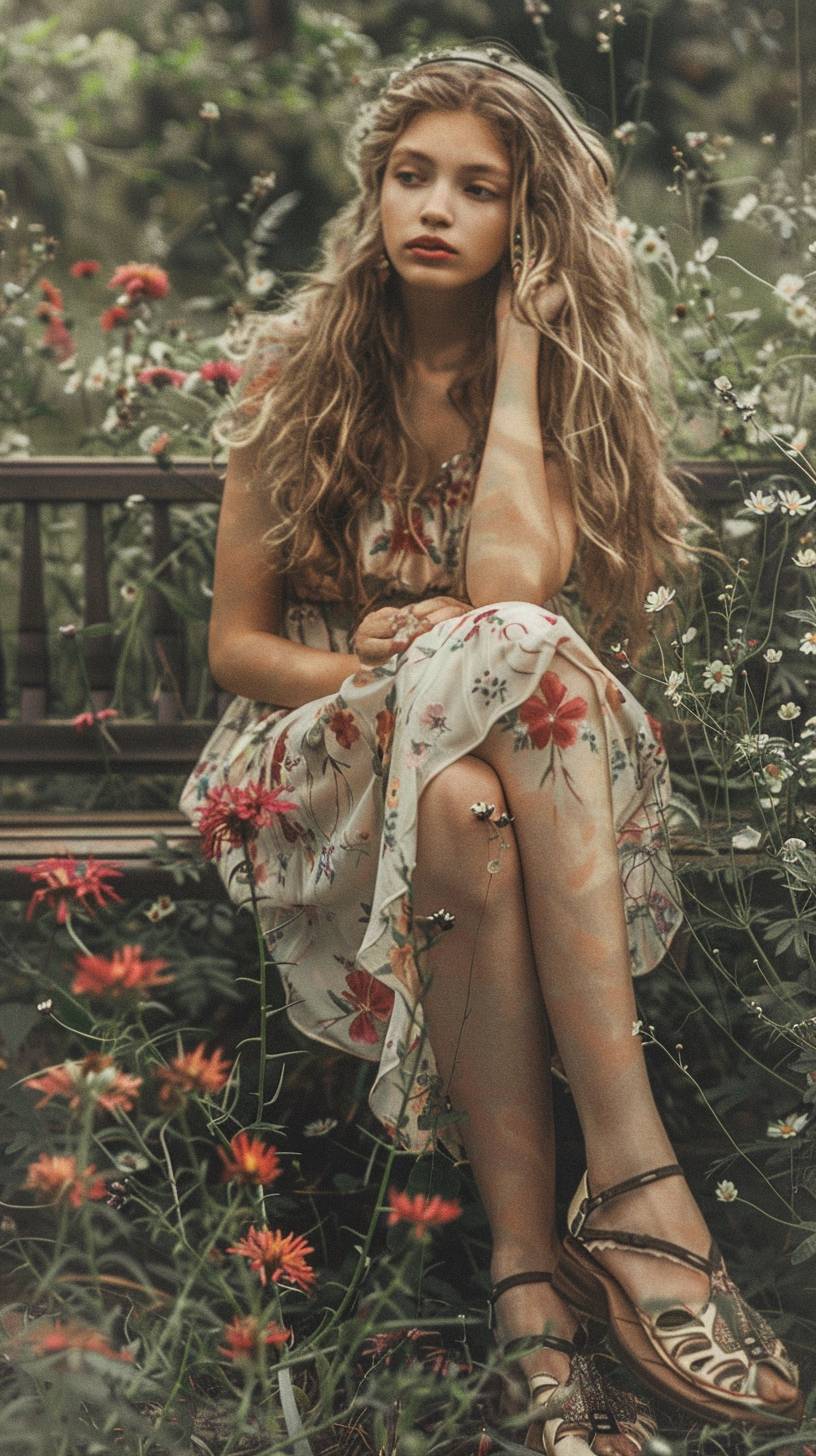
[63,883]
[95,1079]
[73,1336]
[51,293]
[113,975]
[244,1336]
[192,1072]
[252,1161]
[141,280]
[230,813]
[422,1212]
[58,1177]
[277,1256]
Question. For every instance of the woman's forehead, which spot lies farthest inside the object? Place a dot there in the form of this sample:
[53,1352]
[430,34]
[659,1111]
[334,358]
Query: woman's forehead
[459,135]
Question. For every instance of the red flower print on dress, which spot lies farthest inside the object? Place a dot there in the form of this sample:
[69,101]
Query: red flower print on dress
[344,728]
[552,722]
[374,1002]
[657,729]
[549,716]
[403,540]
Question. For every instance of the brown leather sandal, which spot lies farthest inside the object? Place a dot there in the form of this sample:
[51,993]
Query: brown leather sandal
[567,1417]
[706,1362]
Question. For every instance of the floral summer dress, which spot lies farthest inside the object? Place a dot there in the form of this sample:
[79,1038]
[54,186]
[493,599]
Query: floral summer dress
[334,877]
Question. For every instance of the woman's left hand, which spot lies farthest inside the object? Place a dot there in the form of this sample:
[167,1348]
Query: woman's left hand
[549,299]
[419,617]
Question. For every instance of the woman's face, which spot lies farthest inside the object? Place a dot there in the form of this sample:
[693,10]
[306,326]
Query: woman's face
[448,177]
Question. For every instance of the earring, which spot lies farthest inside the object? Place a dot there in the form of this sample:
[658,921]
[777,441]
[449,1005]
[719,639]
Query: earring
[383,265]
[518,255]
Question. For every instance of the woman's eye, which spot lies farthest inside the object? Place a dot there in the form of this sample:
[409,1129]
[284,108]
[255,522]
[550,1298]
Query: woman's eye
[485,191]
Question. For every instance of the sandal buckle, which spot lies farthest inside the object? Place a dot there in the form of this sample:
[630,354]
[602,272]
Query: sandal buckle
[580,1217]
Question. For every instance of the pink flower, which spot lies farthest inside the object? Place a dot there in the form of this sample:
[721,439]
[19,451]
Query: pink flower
[141,280]
[84,268]
[159,376]
[221,373]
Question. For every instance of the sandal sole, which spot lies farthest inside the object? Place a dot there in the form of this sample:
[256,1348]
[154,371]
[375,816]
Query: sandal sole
[580,1280]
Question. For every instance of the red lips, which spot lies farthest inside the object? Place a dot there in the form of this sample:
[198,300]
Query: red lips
[427,241]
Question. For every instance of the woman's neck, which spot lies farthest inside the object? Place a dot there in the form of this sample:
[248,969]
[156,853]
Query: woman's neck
[443,327]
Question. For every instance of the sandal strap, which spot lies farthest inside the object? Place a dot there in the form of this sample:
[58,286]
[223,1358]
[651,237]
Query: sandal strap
[528,1276]
[548,1342]
[648,1244]
[669,1170]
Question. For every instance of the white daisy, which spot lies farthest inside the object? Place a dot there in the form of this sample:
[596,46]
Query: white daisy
[787,1127]
[760,503]
[319,1127]
[808,642]
[625,229]
[717,676]
[788,285]
[672,684]
[793,503]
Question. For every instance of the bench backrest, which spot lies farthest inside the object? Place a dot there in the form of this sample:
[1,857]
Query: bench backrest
[170,741]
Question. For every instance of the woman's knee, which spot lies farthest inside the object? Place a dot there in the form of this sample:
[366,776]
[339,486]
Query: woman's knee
[455,843]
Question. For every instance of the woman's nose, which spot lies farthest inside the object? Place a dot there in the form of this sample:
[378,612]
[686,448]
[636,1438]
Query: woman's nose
[437,206]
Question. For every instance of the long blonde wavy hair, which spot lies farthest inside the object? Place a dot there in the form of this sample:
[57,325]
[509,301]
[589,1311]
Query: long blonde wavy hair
[324,374]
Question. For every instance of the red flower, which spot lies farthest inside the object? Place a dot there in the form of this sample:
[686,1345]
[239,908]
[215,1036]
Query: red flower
[373,999]
[64,887]
[51,294]
[141,280]
[59,339]
[230,813]
[344,728]
[87,720]
[159,376]
[159,445]
[114,317]
[73,1336]
[252,1161]
[85,268]
[221,371]
[123,971]
[244,1336]
[420,1211]
[59,1177]
[95,1078]
[192,1072]
[275,1255]
[552,718]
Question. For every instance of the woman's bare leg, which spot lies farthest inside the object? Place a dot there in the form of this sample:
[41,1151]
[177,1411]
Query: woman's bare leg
[575,911]
[486,1023]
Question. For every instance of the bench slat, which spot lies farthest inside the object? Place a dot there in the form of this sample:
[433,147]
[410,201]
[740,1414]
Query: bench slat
[144,747]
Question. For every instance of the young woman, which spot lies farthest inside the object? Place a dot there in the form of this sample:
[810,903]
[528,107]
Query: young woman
[445,485]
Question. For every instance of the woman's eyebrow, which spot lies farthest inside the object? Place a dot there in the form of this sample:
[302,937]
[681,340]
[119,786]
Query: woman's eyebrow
[466,167]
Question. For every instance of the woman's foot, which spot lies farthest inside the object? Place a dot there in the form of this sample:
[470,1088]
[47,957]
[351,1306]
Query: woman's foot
[529,1309]
[666,1209]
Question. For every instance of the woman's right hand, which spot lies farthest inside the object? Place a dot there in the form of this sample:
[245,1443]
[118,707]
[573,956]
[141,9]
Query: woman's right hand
[391,629]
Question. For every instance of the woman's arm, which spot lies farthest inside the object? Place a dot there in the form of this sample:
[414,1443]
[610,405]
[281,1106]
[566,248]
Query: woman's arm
[522,526]
[247,654]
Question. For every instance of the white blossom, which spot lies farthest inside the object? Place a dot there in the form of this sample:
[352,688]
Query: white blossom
[320,1127]
[673,682]
[793,503]
[788,1127]
[808,642]
[791,849]
[788,711]
[717,675]
[726,1191]
[805,556]
[689,635]
[260,282]
[706,250]
[747,838]
[744,207]
[788,285]
[772,655]
[760,503]
[625,229]
[657,600]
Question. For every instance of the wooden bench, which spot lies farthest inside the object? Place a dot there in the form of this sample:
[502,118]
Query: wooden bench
[34,742]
